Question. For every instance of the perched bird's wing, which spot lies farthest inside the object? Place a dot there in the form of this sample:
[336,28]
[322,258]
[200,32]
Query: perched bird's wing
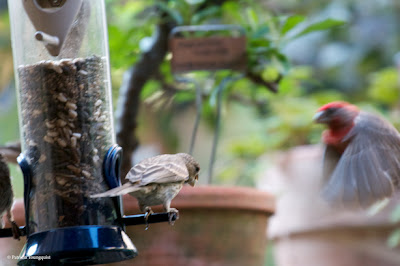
[160,169]
[118,191]
[369,168]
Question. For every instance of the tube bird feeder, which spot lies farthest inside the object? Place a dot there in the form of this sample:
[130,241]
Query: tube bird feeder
[61,61]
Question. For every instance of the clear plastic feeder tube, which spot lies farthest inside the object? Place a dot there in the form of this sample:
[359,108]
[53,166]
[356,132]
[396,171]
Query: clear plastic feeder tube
[64,111]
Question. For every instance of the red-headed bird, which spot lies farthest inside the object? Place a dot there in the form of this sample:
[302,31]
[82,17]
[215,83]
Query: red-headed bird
[362,157]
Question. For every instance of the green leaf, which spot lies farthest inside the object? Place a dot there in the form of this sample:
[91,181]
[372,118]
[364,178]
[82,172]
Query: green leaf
[252,17]
[291,22]
[319,26]
[149,89]
[270,73]
[260,32]
[395,215]
[384,87]
[194,2]
[200,16]
[173,13]
[233,11]
[184,97]
[394,239]
[259,42]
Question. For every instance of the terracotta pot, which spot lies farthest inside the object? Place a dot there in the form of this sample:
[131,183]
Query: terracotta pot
[307,231]
[217,226]
[337,246]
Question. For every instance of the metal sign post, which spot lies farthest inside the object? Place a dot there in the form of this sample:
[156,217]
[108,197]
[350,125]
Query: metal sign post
[219,47]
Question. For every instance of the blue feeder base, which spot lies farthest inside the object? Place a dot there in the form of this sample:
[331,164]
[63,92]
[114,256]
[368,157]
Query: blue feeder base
[78,245]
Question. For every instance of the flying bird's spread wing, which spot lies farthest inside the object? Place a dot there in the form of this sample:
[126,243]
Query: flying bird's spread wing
[331,159]
[369,168]
[159,169]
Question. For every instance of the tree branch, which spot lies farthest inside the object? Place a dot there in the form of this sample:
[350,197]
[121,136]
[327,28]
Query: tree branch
[165,86]
[133,82]
[135,79]
[271,85]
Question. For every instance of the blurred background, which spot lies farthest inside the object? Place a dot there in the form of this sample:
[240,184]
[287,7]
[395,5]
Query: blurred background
[352,57]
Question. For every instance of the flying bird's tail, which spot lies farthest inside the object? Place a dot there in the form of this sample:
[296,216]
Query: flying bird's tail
[118,191]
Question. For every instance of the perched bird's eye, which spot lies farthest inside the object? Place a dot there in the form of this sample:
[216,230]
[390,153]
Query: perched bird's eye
[197,169]
[330,111]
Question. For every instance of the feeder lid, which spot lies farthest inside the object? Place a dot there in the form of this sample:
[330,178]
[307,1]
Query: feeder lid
[53,20]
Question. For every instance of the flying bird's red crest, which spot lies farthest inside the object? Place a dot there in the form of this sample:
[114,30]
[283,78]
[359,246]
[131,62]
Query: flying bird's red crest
[338,104]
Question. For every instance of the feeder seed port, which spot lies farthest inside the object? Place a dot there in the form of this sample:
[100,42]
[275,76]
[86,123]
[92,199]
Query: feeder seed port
[47,38]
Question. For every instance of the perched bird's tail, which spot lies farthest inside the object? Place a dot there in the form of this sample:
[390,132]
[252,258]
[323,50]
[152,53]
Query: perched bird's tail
[118,191]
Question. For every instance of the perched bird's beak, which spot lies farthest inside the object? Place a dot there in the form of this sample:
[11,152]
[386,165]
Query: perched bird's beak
[320,117]
[193,182]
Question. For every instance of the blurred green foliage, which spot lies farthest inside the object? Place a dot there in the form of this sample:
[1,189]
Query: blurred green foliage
[9,130]
[282,120]
[284,117]
[283,37]
[384,87]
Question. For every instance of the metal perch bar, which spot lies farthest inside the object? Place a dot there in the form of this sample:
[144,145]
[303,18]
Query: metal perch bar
[7,232]
[153,218]
[137,219]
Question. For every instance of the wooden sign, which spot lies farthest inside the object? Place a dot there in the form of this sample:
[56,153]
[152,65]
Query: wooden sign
[208,53]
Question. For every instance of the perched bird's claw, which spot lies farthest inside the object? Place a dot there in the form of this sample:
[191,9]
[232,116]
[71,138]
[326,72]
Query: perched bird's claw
[173,212]
[15,230]
[147,214]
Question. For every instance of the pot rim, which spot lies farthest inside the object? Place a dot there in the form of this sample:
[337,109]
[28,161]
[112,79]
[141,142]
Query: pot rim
[189,198]
[216,198]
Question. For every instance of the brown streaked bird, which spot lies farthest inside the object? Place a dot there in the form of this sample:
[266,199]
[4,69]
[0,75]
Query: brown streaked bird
[7,197]
[157,180]
[362,155]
